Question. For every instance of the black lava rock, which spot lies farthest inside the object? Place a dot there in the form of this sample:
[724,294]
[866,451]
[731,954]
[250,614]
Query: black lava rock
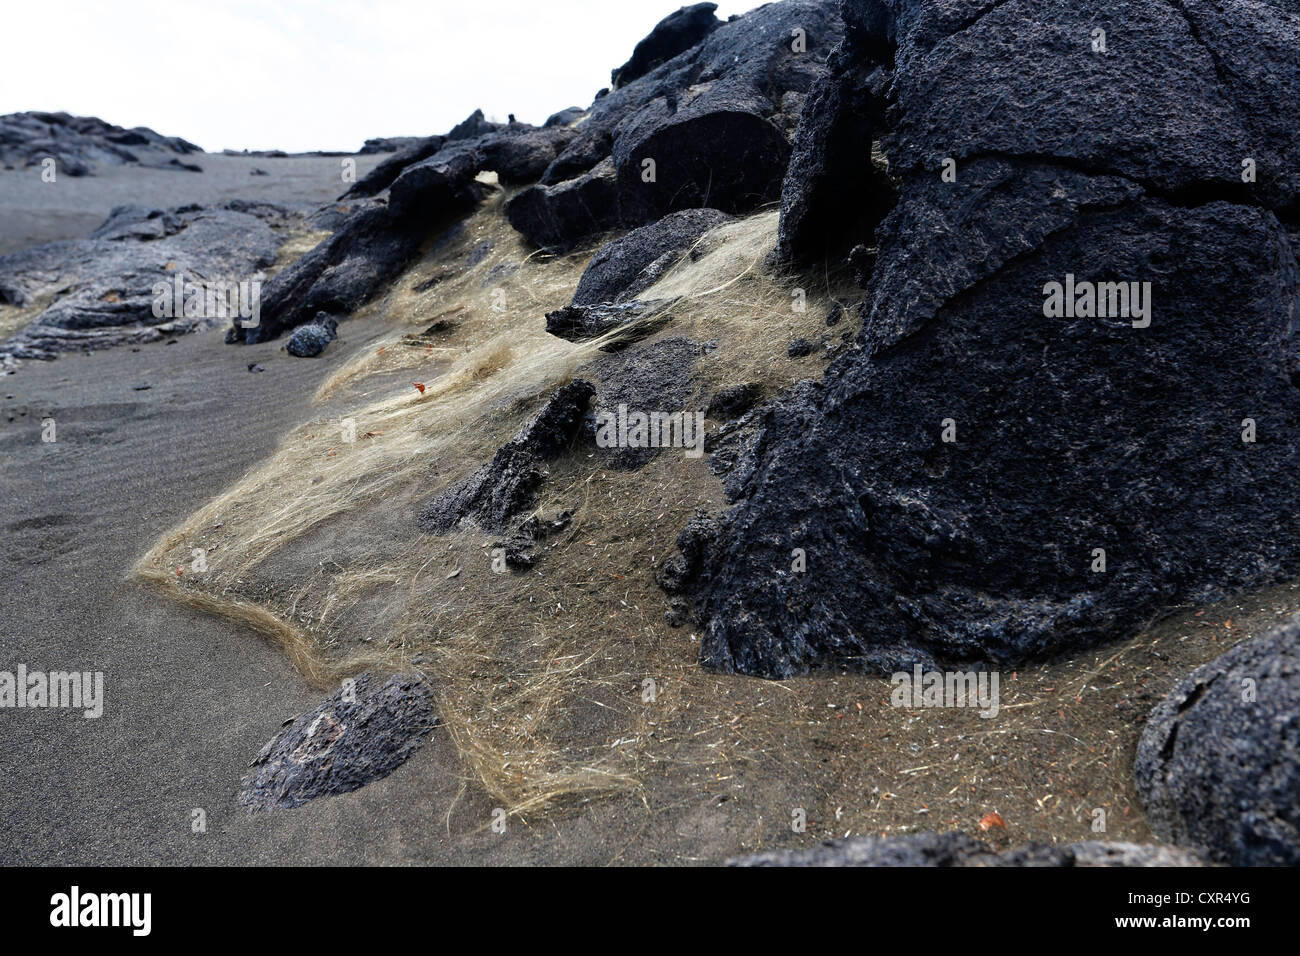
[672,35]
[507,485]
[79,144]
[120,286]
[624,268]
[308,341]
[1218,765]
[980,478]
[561,216]
[577,323]
[708,128]
[364,732]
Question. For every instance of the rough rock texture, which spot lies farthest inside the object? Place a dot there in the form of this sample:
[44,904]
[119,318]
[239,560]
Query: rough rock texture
[431,184]
[508,484]
[371,246]
[308,341]
[342,273]
[716,119]
[387,144]
[79,143]
[956,849]
[382,176]
[734,400]
[560,217]
[364,732]
[1071,434]
[624,268]
[650,377]
[517,152]
[1218,765]
[577,323]
[99,292]
[674,34]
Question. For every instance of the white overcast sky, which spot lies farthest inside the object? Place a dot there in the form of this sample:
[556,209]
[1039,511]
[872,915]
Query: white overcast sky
[316,74]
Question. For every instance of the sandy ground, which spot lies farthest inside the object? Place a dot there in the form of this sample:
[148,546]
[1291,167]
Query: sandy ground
[189,699]
[33,211]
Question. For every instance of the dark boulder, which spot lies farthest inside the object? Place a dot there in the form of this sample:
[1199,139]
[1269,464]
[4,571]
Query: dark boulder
[382,176]
[517,152]
[624,268]
[716,120]
[980,478]
[672,35]
[565,117]
[362,733]
[956,849]
[442,186]
[522,154]
[578,323]
[507,485]
[1182,95]
[734,400]
[1218,765]
[387,144]
[342,273]
[648,377]
[374,243]
[309,340]
[138,222]
[721,141]
[562,216]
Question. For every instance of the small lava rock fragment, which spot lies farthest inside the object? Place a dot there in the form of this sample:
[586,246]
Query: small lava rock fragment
[308,341]
[362,733]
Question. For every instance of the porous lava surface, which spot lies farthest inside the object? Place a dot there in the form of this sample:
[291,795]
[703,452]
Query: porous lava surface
[977,480]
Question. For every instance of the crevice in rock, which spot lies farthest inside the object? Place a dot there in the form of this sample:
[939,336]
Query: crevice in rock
[1191,196]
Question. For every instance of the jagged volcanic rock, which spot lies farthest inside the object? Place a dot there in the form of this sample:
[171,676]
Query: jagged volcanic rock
[1218,765]
[715,120]
[431,183]
[79,143]
[508,484]
[624,268]
[577,323]
[312,338]
[560,217]
[370,248]
[362,733]
[674,34]
[100,292]
[1068,434]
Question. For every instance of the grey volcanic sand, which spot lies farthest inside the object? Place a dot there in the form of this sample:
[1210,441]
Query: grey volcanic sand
[32,211]
[191,699]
